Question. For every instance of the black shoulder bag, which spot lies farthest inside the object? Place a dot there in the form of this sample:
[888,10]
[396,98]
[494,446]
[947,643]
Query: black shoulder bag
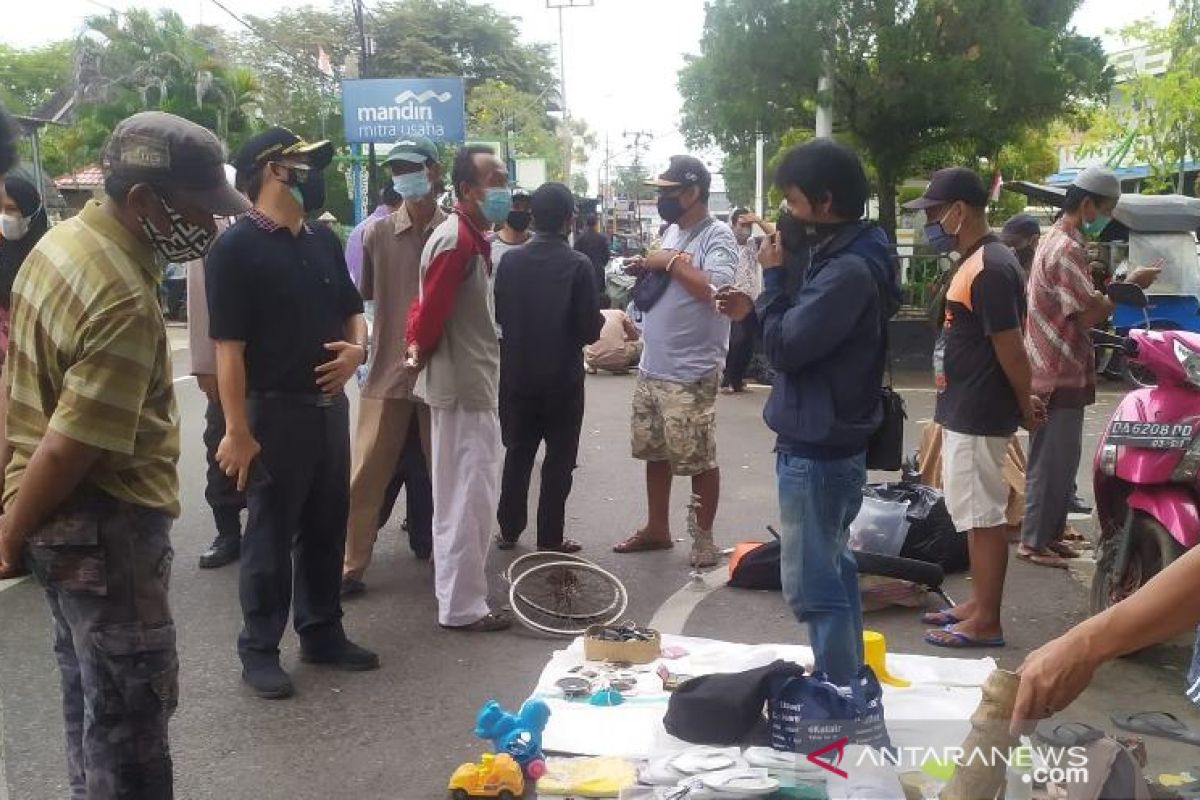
[651,286]
[885,449]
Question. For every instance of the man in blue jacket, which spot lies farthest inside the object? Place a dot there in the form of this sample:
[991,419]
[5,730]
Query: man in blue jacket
[826,342]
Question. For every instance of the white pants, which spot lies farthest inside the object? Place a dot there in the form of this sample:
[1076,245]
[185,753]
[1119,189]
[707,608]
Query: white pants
[973,479]
[466,465]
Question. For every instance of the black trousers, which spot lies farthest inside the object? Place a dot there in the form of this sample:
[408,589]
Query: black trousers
[525,422]
[299,498]
[412,474]
[742,339]
[220,490]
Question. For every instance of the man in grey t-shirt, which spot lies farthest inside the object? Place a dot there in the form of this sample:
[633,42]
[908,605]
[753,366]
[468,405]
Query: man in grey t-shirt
[674,403]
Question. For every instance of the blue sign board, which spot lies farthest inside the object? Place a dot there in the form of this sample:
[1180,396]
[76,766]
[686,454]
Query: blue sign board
[389,109]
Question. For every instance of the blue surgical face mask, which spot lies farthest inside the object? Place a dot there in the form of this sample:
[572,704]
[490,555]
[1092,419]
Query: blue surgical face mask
[412,185]
[941,240]
[497,202]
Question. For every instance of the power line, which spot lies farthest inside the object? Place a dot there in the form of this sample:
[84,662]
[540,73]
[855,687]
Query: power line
[310,66]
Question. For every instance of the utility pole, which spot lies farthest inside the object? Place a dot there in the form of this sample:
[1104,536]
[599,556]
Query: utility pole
[759,147]
[365,46]
[824,127]
[569,145]
[638,136]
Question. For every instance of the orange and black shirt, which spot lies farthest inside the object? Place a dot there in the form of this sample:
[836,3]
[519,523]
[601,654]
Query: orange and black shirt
[986,297]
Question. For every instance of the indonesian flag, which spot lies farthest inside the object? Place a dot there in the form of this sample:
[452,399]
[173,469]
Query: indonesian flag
[994,189]
[323,62]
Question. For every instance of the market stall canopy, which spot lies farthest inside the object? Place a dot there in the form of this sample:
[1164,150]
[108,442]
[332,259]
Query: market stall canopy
[1164,213]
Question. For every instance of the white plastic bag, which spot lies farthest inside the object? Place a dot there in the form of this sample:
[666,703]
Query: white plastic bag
[880,527]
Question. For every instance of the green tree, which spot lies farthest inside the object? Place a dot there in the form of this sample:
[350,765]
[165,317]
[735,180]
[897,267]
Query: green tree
[431,38]
[1155,119]
[30,77]
[497,111]
[908,75]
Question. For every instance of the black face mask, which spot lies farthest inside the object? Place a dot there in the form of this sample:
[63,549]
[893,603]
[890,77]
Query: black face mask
[1025,255]
[312,191]
[796,235]
[670,208]
[519,220]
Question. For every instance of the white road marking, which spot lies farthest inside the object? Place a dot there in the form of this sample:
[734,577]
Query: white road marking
[673,614]
[9,583]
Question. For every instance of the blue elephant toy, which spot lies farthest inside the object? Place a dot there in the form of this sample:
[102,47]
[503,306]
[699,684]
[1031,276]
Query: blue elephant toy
[519,735]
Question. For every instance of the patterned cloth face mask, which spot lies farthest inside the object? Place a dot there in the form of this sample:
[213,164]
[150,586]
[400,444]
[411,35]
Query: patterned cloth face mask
[186,241]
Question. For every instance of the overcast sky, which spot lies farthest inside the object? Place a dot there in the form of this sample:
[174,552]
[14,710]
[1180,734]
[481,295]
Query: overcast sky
[622,56]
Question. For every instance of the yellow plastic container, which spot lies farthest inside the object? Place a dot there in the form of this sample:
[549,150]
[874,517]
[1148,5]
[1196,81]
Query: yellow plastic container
[875,654]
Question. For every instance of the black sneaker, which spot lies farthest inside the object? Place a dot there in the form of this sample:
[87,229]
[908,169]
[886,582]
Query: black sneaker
[224,550]
[352,586]
[268,681]
[348,657]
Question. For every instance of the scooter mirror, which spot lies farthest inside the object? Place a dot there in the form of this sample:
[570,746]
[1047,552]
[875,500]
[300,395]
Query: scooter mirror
[1127,294]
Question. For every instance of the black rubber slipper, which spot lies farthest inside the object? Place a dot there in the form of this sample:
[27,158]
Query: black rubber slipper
[1068,734]
[1157,723]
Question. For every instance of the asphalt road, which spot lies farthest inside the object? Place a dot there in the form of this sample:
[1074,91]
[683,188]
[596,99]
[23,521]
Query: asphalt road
[399,732]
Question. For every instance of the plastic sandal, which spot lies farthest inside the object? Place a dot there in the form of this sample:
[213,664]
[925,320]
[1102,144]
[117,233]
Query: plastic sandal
[952,639]
[641,543]
[740,782]
[1157,723]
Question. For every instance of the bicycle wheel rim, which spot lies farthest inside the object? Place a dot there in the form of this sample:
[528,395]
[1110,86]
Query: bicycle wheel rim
[556,623]
[524,563]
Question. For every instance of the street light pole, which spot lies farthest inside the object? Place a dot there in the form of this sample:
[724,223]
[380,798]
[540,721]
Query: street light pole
[559,5]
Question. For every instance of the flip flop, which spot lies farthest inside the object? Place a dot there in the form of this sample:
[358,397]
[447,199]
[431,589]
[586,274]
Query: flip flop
[641,543]
[751,782]
[1062,550]
[1157,723]
[1068,734]
[940,618]
[959,641]
[1042,559]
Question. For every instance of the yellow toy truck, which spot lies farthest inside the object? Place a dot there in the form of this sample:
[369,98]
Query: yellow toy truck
[496,775]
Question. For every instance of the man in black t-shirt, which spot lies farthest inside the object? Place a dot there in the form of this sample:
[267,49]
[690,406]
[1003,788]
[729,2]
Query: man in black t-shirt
[985,394]
[594,244]
[289,329]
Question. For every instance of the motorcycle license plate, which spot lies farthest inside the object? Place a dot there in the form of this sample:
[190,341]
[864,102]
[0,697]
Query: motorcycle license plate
[1151,435]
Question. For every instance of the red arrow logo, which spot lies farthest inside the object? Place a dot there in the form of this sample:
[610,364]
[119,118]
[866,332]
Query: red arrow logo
[831,765]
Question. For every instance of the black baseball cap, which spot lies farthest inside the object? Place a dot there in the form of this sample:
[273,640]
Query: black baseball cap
[951,185]
[176,154]
[683,171]
[275,143]
[1022,225]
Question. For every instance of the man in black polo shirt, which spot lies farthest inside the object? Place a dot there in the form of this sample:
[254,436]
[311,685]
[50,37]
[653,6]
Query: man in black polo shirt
[290,332]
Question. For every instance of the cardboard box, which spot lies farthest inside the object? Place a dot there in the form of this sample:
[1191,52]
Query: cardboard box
[634,651]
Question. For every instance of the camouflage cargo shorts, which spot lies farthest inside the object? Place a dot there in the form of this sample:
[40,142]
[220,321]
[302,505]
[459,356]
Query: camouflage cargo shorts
[676,422]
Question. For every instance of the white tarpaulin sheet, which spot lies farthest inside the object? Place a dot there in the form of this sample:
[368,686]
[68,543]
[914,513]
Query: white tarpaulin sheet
[944,691]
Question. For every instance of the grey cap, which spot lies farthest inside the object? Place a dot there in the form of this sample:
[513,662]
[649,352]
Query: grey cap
[1100,181]
[176,154]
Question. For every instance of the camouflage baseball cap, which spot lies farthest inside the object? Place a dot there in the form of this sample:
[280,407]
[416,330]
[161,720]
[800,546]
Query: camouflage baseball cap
[176,154]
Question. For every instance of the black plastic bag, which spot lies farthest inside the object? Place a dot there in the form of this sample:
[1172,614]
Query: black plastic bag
[931,533]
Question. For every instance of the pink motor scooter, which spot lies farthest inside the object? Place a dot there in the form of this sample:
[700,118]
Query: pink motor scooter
[1145,471]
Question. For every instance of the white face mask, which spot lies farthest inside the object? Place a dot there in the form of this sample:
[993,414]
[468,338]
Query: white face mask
[13,226]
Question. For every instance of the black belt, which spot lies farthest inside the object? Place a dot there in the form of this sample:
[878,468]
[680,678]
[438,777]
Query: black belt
[317,399]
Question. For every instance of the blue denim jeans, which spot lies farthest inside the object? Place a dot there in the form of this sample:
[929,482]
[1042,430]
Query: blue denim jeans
[817,502]
[1193,673]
